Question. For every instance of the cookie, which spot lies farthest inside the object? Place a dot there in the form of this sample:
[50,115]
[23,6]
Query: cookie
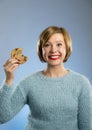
[17,54]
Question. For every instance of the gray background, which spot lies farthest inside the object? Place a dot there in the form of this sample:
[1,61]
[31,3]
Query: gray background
[21,22]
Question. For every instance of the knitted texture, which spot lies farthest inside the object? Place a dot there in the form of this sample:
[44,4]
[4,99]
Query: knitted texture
[61,103]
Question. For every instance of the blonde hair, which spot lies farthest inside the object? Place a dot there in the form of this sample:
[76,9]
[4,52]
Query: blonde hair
[47,33]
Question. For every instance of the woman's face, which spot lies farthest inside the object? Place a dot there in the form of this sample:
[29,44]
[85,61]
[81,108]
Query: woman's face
[54,50]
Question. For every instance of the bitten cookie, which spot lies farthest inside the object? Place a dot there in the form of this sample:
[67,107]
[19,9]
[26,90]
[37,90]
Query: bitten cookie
[17,54]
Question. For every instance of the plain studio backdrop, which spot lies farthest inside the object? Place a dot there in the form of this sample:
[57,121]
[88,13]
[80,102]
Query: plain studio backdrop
[21,22]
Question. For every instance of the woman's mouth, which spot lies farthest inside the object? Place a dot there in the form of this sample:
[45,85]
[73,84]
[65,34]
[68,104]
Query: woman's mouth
[54,57]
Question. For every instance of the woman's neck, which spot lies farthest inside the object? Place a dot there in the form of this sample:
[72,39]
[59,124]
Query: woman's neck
[56,71]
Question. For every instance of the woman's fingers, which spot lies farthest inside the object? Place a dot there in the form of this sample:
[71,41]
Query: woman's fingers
[10,66]
[10,62]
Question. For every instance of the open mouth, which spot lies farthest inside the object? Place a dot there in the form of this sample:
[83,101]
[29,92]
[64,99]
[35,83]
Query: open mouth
[54,57]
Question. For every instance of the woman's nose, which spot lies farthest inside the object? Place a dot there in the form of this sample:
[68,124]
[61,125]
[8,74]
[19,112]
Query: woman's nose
[53,49]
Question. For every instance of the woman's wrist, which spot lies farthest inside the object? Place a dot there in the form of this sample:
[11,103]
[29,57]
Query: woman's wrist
[9,82]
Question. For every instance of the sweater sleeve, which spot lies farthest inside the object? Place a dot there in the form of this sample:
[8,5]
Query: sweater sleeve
[84,107]
[11,102]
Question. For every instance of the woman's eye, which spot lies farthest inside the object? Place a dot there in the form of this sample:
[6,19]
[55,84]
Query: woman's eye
[46,45]
[59,44]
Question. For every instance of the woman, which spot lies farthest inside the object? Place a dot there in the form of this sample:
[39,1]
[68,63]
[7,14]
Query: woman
[59,99]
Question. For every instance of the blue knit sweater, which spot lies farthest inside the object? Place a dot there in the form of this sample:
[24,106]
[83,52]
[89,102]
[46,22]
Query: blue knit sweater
[55,103]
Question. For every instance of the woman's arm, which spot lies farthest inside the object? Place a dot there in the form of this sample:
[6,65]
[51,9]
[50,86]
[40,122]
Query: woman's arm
[11,101]
[84,107]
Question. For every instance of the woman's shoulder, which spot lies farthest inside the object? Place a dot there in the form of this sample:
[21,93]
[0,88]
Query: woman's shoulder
[81,78]
[32,76]
[28,81]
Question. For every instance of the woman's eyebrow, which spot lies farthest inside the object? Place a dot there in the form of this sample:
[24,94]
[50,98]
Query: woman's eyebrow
[59,41]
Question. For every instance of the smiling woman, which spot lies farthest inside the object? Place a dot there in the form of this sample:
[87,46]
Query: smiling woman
[54,49]
[58,98]
[63,39]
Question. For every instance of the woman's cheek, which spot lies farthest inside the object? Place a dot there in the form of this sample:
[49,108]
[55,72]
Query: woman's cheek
[62,52]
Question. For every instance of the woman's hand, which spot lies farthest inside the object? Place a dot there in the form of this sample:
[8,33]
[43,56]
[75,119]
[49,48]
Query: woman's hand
[9,67]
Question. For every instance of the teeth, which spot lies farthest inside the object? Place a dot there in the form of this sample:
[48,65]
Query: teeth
[54,56]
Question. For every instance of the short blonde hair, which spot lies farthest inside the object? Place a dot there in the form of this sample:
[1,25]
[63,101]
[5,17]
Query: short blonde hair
[45,36]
